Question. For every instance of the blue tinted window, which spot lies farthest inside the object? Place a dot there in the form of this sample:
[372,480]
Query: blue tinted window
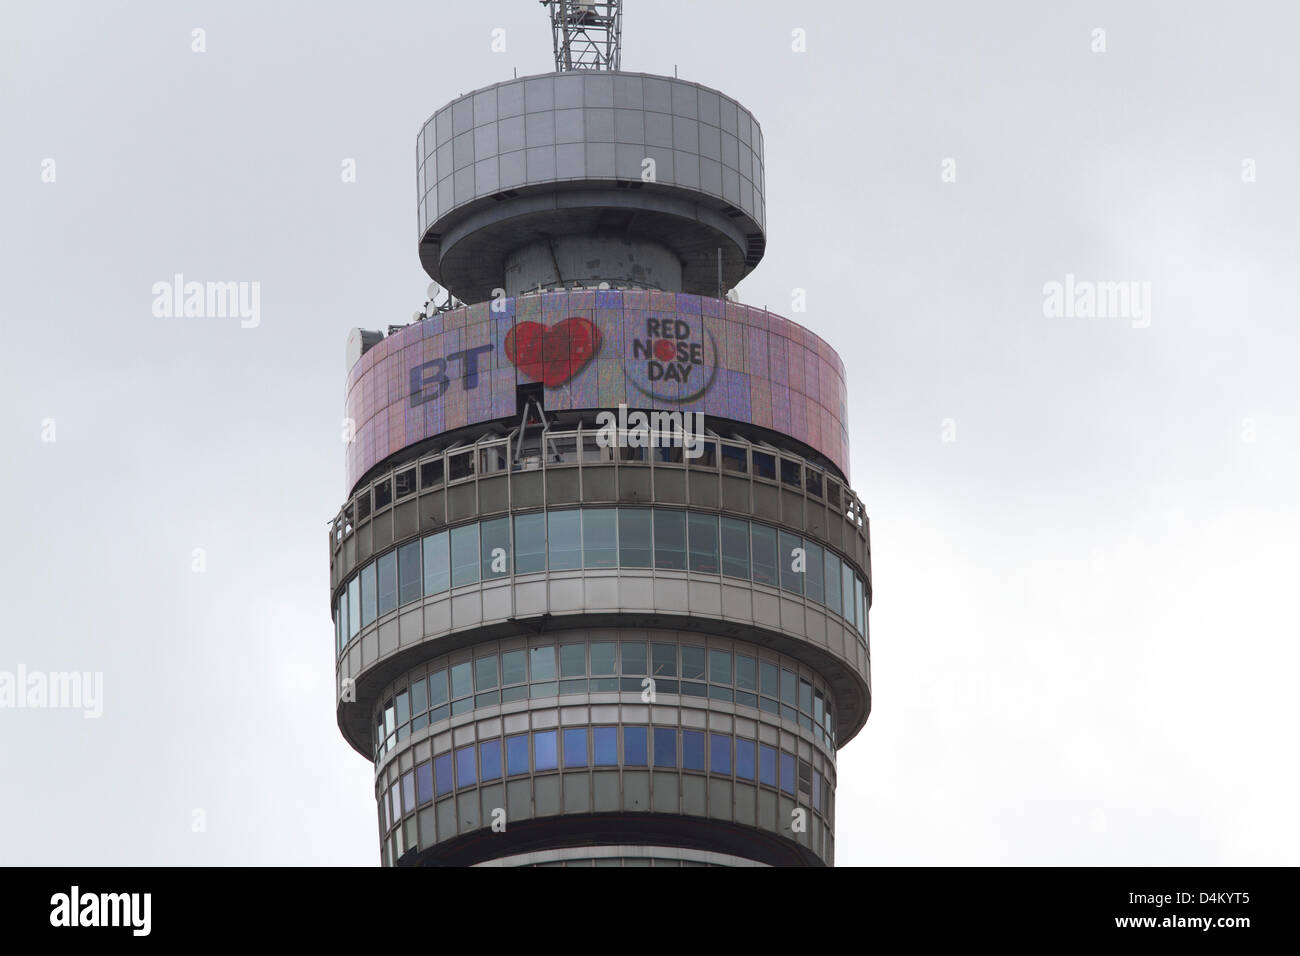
[604,742]
[766,765]
[465,767]
[408,790]
[564,539]
[408,572]
[494,540]
[530,543]
[670,539]
[517,754]
[692,750]
[634,746]
[815,585]
[665,747]
[575,747]
[634,538]
[437,570]
[764,554]
[464,555]
[424,783]
[787,772]
[489,758]
[791,545]
[600,537]
[720,753]
[369,597]
[744,758]
[544,753]
[735,548]
[704,542]
[387,582]
[442,774]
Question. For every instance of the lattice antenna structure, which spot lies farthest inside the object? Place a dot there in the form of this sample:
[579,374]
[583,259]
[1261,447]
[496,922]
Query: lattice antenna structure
[587,34]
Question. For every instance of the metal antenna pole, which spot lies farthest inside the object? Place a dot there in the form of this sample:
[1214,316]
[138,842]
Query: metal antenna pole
[586,34]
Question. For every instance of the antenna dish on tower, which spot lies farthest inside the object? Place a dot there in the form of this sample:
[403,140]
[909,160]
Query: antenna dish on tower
[587,34]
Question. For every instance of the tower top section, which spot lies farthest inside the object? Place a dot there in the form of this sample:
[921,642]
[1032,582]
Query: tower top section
[587,34]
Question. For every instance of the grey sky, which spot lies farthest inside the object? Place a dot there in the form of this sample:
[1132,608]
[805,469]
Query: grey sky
[1084,637]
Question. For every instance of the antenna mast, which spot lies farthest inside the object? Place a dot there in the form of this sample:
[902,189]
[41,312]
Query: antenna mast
[587,34]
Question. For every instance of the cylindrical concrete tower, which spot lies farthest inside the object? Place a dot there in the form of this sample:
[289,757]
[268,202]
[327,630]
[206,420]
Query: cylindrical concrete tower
[600,586]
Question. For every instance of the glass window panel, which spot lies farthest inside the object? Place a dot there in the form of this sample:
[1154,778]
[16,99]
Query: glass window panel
[734,459]
[665,660]
[369,595]
[745,673]
[859,606]
[573,660]
[789,683]
[791,580]
[764,465]
[735,548]
[402,705]
[600,537]
[790,472]
[461,681]
[408,572]
[575,747]
[692,750]
[805,696]
[437,570]
[604,744]
[833,600]
[423,783]
[744,758]
[437,688]
[720,753]
[704,542]
[464,555]
[767,765]
[634,658]
[692,663]
[787,772]
[764,554]
[564,539]
[494,541]
[530,543]
[769,677]
[408,790]
[634,746]
[485,674]
[813,482]
[387,582]
[604,657]
[442,774]
[665,747]
[670,539]
[517,754]
[489,758]
[847,583]
[720,667]
[815,585]
[545,756]
[542,661]
[634,538]
[419,696]
[465,768]
[514,668]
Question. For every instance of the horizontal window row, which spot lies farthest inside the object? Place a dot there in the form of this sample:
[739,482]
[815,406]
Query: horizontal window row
[599,538]
[601,666]
[582,447]
[581,748]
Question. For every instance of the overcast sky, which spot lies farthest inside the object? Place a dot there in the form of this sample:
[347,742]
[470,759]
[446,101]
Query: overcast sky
[1084,529]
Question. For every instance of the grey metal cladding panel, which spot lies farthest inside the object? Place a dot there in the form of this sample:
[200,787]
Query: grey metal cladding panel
[657,94]
[568,90]
[627,91]
[539,129]
[710,104]
[570,161]
[510,99]
[442,121]
[539,94]
[658,129]
[510,134]
[462,116]
[462,150]
[485,107]
[485,140]
[569,127]
[629,126]
[599,90]
[686,134]
[685,99]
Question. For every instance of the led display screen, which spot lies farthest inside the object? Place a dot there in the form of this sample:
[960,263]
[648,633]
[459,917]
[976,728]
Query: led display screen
[596,350]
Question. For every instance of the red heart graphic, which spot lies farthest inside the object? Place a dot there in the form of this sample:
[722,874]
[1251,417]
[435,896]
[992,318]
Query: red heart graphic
[553,355]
